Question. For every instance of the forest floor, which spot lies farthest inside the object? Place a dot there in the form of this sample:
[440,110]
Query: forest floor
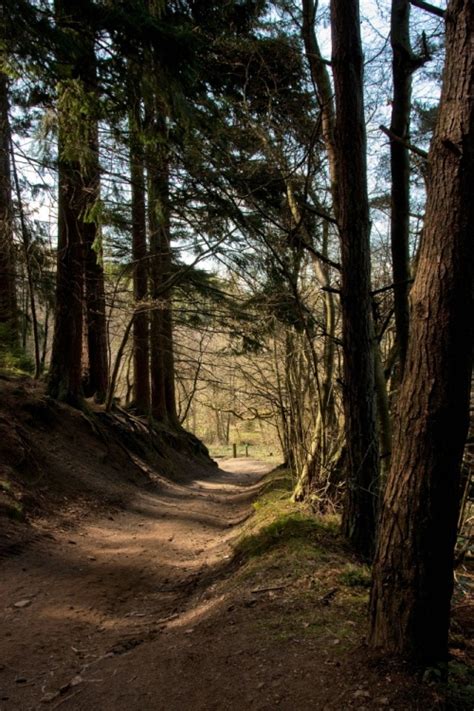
[183,596]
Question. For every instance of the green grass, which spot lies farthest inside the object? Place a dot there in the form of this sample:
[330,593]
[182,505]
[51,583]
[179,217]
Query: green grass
[280,522]
[355,576]
[292,527]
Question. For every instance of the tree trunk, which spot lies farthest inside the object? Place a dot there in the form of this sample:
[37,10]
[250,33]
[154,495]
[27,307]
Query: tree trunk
[323,88]
[141,349]
[25,238]
[8,301]
[161,330]
[402,67]
[79,249]
[98,371]
[65,374]
[357,326]
[413,570]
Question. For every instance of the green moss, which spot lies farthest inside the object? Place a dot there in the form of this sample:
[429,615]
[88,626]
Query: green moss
[294,528]
[356,576]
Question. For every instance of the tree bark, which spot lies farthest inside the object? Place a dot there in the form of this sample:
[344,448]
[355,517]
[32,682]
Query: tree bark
[357,326]
[141,348]
[161,335]
[413,569]
[80,271]
[65,374]
[8,301]
[402,69]
[98,370]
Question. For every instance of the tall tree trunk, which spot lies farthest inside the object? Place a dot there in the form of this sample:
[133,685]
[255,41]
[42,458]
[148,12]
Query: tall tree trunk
[322,84]
[98,371]
[161,329]
[357,326]
[323,88]
[402,67]
[25,238]
[413,570]
[156,223]
[141,349]
[65,374]
[79,248]
[8,300]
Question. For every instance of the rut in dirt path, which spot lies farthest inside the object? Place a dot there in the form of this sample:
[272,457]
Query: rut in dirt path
[112,583]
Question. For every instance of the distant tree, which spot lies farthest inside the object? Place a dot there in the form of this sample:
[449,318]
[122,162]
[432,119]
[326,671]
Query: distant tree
[413,568]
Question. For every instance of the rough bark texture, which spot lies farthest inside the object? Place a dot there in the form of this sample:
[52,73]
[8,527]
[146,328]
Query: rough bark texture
[141,349]
[413,570]
[65,375]
[8,301]
[354,230]
[402,68]
[80,272]
[161,329]
[98,372]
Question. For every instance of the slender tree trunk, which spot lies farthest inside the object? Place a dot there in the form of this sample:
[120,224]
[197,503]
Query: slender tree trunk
[323,88]
[413,569]
[141,349]
[26,242]
[8,301]
[161,329]
[98,371]
[357,326]
[44,349]
[402,65]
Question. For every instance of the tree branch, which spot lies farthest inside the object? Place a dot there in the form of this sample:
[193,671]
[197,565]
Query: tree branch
[414,149]
[439,12]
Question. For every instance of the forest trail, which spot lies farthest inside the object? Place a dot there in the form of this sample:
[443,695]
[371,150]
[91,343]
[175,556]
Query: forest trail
[78,598]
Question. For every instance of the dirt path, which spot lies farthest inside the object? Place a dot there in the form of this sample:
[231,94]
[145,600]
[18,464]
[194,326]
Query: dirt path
[77,600]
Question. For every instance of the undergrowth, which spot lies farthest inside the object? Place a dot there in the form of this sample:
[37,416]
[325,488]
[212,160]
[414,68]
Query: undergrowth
[314,587]
[319,589]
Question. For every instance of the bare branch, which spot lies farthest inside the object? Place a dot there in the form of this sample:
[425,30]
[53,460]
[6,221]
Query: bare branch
[414,149]
[428,7]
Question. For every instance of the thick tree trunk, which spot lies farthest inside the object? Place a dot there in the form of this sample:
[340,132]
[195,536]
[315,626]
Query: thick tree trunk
[141,349]
[402,67]
[8,301]
[65,374]
[79,248]
[357,326]
[413,570]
